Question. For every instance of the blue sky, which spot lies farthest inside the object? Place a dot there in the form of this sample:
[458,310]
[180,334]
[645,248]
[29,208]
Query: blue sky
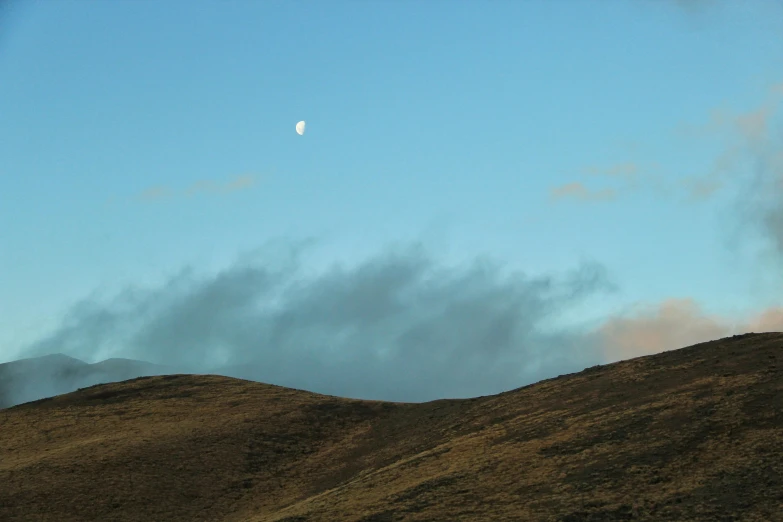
[138,138]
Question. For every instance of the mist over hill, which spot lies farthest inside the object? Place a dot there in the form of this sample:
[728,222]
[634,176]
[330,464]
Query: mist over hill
[35,378]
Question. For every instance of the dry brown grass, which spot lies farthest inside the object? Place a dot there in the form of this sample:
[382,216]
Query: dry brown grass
[692,434]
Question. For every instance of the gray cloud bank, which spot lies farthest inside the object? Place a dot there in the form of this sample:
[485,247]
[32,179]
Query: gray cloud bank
[398,326]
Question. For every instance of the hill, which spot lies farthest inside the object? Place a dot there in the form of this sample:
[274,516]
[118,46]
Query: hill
[689,434]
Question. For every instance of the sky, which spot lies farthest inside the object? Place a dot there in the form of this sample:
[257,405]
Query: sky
[487,193]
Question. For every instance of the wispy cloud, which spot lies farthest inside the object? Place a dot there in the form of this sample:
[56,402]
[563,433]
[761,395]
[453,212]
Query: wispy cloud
[200,186]
[752,159]
[750,127]
[212,187]
[241,182]
[155,193]
[701,188]
[236,184]
[578,191]
[625,177]
[627,171]
[747,139]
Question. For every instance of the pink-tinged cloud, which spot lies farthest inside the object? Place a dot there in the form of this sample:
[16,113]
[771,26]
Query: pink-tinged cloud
[676,323]
[770,320]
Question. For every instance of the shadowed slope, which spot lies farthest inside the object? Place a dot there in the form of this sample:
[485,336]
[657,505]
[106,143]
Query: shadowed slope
[691,434]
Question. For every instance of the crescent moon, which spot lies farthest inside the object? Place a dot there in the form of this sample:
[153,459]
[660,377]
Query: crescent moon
[300,127]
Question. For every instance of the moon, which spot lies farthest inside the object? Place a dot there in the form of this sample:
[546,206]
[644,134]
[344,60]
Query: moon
[300,127]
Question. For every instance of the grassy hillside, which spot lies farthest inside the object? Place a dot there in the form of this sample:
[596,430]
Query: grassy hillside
[690,434]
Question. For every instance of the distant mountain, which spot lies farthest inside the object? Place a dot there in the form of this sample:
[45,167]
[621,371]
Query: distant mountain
[35,378]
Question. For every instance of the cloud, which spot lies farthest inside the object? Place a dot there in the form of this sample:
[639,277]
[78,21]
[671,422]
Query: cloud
[753,125]
[579,192]
[701,188]
[770,320]
[211,187]
[750,162]
[398,326]
[673,324]
[628,171]
[747,138]
[240,182]
[155,193]
[749,129]
[200,187]
[626,177]
[757,147]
